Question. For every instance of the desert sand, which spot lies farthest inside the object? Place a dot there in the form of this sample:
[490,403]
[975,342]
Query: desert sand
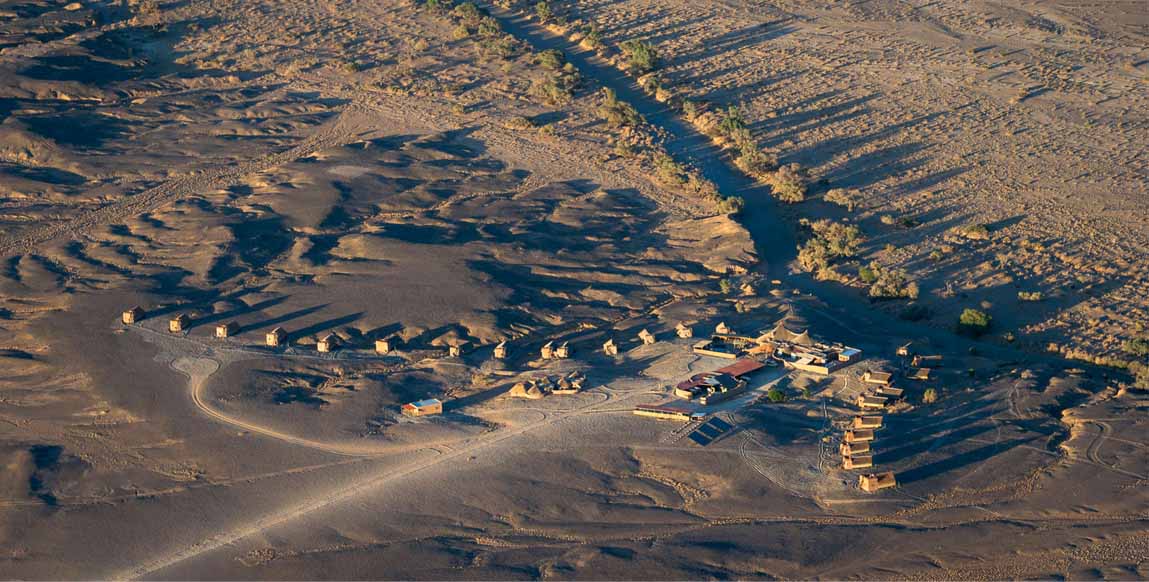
[451,177]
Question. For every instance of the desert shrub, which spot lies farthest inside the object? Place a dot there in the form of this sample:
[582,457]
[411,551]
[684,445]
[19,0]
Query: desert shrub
[843,240]
[468,14]
[867,274]
[592,37]
[544,12]
[668,171]
[975,231]
[732,126]
[776,396]
[617,113]
[731,205]
[974,322]
[847,199]
[440,6]
[814,255]
[930,396]
[887,220]
[551,59]
[641,57]
[754,162]
[789,183]
[1140,373]
[1029,295]
[1137,346]
[555,89]
[892,284]
[936,255]
[725,286]
[350,67]
[520,122]
[690,109]
[488,27]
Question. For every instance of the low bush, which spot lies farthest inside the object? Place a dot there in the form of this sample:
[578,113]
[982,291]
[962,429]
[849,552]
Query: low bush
[974,322]
[1029,295]
[975,231]
[555,89]
[1137,346]
[788,183]
[641,56]
[847,199]
[776,396]
[930,396]
[892,284]
[617,113]
[914,312]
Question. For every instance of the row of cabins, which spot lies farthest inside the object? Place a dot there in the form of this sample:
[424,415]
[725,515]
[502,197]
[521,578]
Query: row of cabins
[857,442]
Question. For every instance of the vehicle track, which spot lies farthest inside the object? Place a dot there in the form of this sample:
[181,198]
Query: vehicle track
[391,474]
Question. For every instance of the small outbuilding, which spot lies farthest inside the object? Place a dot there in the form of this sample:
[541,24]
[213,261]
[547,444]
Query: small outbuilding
[920,361]
[919,374]
[226,330]
[423,407]
[646,337]
[904,350]
[870,422]
[860,435]
[877,481]
[890,392]
[857,462]
[548,350]
[723,329]
[133,315]
[501,350]
[610,348]
[383,346]
[328,343]
[873,377]
[851,449]
[454,350]
[563,351]
[871,402]
[179,323]
[684,331]
[276,337]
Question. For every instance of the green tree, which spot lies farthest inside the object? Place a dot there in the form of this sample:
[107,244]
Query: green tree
[775,395]
[974,322]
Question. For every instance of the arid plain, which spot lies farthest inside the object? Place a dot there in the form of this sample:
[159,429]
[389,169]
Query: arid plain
[448,177]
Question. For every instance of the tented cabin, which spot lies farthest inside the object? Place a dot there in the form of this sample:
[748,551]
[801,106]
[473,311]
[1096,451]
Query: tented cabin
[890,392]
[133,315]
[276,337]
[328,344]
[872,377]
[919,374]
[563,351]
[610,348]
[851,449]
[646,337]
[870,422]
[454,350]
[178,323]
[683,331]
[861,435]
[383,346]
[226,330]
[723,329]
[904,350]
[423,407]
[877,481]
[857,462]
[548,351]
[871,402]
[501,350]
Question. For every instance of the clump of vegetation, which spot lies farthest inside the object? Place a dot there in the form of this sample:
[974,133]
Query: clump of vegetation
[848,199]
[591,38]
[975,231]
[788,183]
[1029,295]
[1140,372]
[617,113]
[831,241]
[551,59]
[974,322]
[754,162]
[930,396]
[732,126]
[730,205]
[1137,346]
[725,286]
[520,122]
[776,396]
[556,89]
[641,56]
[892,284]
[914,312]
[544,12]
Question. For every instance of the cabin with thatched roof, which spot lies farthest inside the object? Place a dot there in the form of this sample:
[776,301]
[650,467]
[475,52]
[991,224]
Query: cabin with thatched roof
[646,337]
[857,462]
[870,422]
[683,331]
[179,323]
[563,351]
[850,449]
[328,343]
[275,337]
[133,315]
[877,481]
[226,330]
[610,348]
[876,377]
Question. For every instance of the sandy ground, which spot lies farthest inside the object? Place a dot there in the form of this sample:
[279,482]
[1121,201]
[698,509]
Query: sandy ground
[365,169]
